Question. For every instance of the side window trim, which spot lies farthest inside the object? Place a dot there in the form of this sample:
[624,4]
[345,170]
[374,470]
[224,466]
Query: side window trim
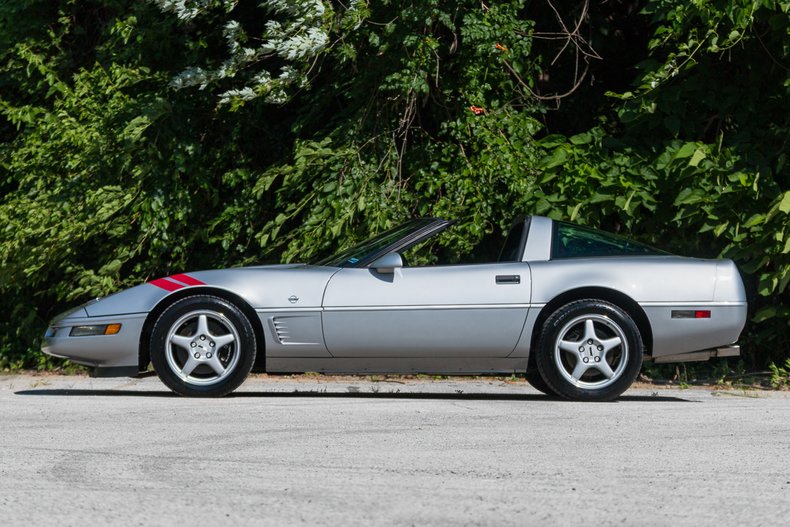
[507,252]
[524,234]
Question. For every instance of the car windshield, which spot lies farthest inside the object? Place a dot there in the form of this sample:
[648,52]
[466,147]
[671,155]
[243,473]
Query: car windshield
[368,248]
[573,241]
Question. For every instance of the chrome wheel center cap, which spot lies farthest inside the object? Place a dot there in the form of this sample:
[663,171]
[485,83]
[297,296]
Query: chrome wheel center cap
[590,352]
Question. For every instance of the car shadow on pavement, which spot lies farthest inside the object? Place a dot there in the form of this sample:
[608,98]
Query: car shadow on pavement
[65,392]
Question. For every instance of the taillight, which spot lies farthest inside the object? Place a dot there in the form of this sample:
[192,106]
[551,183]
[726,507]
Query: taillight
[691,313]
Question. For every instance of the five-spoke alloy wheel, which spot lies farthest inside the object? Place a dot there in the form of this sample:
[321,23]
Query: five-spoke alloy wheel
[589,350]
[202,346]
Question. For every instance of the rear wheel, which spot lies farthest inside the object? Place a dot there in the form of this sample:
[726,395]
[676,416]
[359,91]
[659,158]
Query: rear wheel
[589,350]
[202,346]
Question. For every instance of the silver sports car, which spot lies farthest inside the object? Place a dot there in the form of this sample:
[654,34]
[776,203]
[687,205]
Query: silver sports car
[575,309]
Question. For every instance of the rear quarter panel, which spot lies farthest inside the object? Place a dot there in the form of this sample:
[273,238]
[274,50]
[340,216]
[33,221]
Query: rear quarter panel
[659,284]
[643,278]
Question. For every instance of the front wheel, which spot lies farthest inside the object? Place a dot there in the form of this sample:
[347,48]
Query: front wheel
[589,350]
[202,346]
[537,382]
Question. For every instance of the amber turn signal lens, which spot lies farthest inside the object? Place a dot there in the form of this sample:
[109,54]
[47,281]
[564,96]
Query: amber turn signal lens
[92,331]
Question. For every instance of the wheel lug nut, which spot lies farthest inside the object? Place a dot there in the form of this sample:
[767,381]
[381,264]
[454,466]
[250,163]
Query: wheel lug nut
[208,355]
[597,359]
[211,343]
[586,360]
[202,337]
[600,348]
[197,355]
[589,341]
[581,348]
[193,343]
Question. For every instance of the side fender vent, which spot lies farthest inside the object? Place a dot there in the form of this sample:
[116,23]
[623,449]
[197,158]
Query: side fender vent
[281,329]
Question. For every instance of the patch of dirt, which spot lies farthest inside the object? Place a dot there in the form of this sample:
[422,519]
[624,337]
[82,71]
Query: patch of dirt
[642,382]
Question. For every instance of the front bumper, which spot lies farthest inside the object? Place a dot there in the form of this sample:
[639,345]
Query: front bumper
[118,353]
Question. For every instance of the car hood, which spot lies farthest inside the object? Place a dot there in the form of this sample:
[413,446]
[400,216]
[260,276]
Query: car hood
[262,287]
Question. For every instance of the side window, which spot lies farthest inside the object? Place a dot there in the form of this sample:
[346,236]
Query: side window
[514,244]
[573,241]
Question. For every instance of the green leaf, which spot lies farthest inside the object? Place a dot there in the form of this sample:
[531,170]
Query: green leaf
[557,158]
[784,281]
[698,156]
[764,313]
[110,268]
[687,150]
[575,211]
[551,141]
[599,197]
[136,127]
[755,220]
[581,139]
[768,284]
[688,196]
[719,230]
[784,205]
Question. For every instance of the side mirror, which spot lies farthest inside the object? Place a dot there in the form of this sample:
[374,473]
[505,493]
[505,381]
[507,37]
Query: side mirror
[388,263]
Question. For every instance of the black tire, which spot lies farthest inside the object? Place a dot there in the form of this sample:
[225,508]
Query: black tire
[537,382]
[202,346]
[589,366]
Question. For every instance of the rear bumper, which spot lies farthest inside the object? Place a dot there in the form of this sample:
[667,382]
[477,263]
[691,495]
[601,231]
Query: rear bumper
[682,336]
[725,351]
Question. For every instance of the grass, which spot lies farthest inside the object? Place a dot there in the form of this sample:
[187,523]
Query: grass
[721,373]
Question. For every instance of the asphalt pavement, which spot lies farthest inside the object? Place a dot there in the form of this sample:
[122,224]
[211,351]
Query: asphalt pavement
[347,451]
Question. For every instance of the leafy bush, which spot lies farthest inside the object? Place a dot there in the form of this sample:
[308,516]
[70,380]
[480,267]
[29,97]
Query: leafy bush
[143,138]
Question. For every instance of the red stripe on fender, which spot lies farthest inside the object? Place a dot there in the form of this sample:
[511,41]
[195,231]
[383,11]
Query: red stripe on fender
[166,284]
[186,279]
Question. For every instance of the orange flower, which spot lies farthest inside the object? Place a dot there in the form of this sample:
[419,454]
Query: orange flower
[500,47]
[477,110]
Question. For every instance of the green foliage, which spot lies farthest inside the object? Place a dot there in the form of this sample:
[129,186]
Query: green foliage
[344,119]
[108,179]
[295,33]
[699,150]
[780,375]
[405,142]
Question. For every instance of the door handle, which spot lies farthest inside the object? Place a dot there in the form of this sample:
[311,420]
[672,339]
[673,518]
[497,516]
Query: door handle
[508,279]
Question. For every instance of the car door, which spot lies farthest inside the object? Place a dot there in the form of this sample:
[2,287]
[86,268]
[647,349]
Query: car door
[454,311]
